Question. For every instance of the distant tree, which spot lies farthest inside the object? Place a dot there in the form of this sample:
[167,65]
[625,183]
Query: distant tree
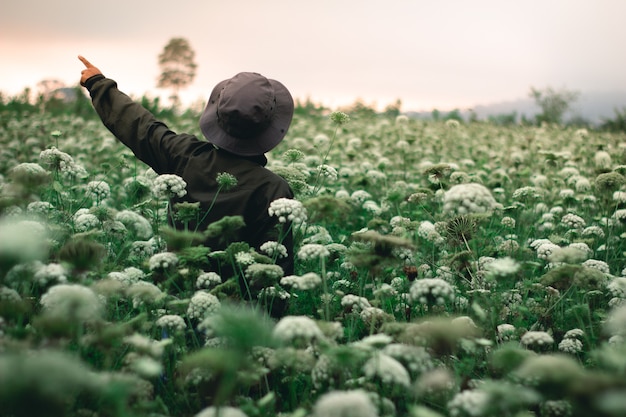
[618,123]
[48,93]
[554,104]
[393,110]
[178,66]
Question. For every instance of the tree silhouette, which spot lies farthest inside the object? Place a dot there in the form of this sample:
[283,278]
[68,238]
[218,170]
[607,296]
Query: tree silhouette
[554,104]
[178,67]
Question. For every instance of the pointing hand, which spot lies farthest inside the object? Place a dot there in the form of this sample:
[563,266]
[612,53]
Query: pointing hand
[89,70]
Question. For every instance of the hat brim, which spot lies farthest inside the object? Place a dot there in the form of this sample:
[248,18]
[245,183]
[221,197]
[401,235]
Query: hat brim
[260,144]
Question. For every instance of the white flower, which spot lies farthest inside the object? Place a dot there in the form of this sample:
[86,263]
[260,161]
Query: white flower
[616,322]
[72,302]
[307,281]
[505,332]
[355,403]
[208,280]
[617,287]
[503,267]
[169,186]
[536,338]
[136,223]
[508,222]
[572,346]
[202,304]
[291,328]
[597,264]
[327,171]
[468,198]
[144,292]
[84,221]
[574,334]
[354,303]
[573,221]
[313,251]
[360,196]
[163,261]
[468,403]
[98,190]
[244,258]
[53,272]
[386,369]
[287,209]
[273,248]
[431,291]
[171,322]
[223,411]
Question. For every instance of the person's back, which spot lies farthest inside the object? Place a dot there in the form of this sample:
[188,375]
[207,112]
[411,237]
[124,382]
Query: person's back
[246,116]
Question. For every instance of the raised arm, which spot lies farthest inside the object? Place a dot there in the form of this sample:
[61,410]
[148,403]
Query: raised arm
[149,139]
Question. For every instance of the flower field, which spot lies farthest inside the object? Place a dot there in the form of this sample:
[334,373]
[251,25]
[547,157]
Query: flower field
[442,269]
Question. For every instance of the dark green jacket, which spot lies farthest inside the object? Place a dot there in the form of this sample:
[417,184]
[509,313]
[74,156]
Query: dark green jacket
[198,162]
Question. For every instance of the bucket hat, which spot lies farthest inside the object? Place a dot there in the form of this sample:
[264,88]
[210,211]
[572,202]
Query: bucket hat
[247,114]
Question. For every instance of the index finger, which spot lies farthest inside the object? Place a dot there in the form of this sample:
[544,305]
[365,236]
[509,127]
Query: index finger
[84,61]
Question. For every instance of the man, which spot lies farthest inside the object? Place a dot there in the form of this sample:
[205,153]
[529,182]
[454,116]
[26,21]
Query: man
[245,117]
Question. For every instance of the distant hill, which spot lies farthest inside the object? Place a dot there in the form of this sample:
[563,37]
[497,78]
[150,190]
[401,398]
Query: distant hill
[594,107]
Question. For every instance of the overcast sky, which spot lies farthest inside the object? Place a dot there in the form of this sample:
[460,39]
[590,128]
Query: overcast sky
[430,54]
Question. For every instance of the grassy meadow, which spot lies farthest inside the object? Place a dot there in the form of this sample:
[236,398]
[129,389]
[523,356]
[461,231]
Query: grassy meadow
[442,269]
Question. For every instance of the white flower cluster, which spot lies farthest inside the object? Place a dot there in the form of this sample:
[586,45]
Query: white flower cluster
[73,302]
[84,220]
[8,294]
[507,221]
[354,403]
[468,198]
[171,322]
[61,161]
[169,186]
[360,196]
[223,411]
[142,249]
[291,328]
[313,251]
[416,359]
[50,273]
[431,291]
[162,261]
[39,207]
[98,190]
[208,280]
[573,221]
[28,168]
[503,267]
[244,258]
[427,230]
[288,209]
[327,171]
[505,332]
[536,339]
[386,369]
[136,223]
[202,304]
[569,345]
[354,303]
[260,271]
[468,403]
[273,248]
[617,287]
[597,264]
[527,193]
[545,249]
[307,281]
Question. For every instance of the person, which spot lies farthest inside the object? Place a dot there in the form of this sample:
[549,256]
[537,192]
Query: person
[245,117]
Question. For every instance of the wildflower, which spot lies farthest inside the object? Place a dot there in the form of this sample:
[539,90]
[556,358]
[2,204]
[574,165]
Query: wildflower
[616,322]
[225,181]
[602,160]
[290,329]
[415,359]
[29,174]
[327,171]
[313,251]
[287,209]
[354,303]
[143,292]
[274,249]
[468,198]
[292,156]
[169,186]
[386,369]
[307,281]
[145,345]
[171,322]
[545,250]
[50,273]
[573,221]
[527,193]
[468,403]
[163,261]
[505,332]
[202,304]
[536,339]
[98,190]
[339,118]
[503,267]
[597,264]
[57,160]
[263,275]
[208,280]
[556,408]
[72,302]
[39,207]
[244,259]
[431,291]
[141,249]
[223,411]
[507,221]
[353,403]
[572,346]
[617,287]
[609,182]
[136,223]
[360,196]
[83,220]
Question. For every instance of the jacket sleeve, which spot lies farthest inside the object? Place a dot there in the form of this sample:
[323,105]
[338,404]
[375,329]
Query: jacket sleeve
[149,139]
